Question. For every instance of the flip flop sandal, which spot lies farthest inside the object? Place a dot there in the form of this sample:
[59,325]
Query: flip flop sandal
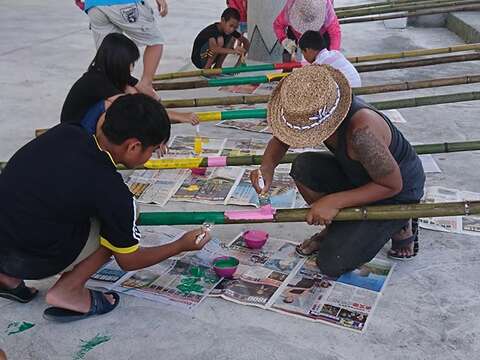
[21,293]
[99,306]
[401,244]
[299,249]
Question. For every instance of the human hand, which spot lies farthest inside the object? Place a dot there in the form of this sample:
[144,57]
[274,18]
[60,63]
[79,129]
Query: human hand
[322,212]
[240,50]
[189,118]
[267,177]
[162,150]
[189,241]
[162,7]
[289,45]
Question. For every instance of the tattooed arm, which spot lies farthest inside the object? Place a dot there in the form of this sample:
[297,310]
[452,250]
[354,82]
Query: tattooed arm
[369,139]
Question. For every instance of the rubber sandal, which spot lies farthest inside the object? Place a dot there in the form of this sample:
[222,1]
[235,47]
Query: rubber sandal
[299,248]
[400,244]
[22,293]
[99,306]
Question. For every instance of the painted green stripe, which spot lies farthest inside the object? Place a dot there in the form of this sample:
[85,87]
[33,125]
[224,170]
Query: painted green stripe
[180,218]
[238,81]
[248,68]
[244,114]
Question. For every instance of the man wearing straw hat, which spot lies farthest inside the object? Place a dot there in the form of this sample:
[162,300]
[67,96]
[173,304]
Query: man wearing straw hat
[370,162]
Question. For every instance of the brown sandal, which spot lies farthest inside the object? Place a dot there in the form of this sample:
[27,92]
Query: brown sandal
[300,249]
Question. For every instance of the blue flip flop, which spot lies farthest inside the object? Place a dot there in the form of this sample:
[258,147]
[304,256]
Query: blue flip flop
[99,306]
[21,293]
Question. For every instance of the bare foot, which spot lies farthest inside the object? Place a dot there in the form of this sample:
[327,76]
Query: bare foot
[407,250]
[77,299]
[312,244]
[8,282]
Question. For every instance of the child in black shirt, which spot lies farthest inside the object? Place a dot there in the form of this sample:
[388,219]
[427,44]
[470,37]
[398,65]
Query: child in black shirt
[216,41]
[108,76]
[71,211]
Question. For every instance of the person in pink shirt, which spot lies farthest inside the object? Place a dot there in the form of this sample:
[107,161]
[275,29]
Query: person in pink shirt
[241,6]
[299,16]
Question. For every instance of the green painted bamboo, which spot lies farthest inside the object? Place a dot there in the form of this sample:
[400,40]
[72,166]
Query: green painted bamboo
[365,90]
[383,212]
[417,63]
[386,4]
[383,66]
[410,14]
[343,14]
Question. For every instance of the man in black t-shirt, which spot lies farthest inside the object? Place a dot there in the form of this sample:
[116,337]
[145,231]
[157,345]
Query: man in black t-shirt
[65,209]
[216,41]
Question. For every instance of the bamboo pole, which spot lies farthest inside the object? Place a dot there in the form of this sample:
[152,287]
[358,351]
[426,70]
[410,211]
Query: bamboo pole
[352,59]
[417,63]
[410,14]
[365,90]
[386,4]
[343,14]
[383,66]
[414,53]
[367,213]
[248,160]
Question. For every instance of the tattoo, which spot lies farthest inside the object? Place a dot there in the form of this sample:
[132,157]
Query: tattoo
[372,154]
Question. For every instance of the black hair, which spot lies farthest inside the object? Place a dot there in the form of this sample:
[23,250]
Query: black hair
[312,40]
[231,13]
[137,116]
[114,57]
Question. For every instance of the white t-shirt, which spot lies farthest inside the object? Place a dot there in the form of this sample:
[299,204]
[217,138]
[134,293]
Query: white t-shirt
[336,59]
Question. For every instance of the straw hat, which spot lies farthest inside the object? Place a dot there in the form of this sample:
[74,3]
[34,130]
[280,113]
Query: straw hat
[309,105]
[307,15]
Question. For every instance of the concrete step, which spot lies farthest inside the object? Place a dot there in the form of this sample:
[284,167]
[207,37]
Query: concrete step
[466,25]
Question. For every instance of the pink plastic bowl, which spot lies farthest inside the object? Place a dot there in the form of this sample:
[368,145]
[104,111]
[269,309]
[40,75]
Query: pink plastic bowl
[225,266]
[255,239]
[199,171]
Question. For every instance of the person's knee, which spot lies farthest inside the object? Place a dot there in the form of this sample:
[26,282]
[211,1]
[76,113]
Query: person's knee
[332,265]
[301,165]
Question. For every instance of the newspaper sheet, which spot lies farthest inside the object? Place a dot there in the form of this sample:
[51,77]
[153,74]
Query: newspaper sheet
[252,125]
[266,88]
[215,187]
[238,147]
[183,146]
[454,224]
[240,89]
[283,192]
[275,278]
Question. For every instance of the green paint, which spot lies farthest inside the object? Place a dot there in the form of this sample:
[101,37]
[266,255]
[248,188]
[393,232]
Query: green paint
[180,218]
[244,80]
[197,272]
[244,114]
[248,68]
[87,346]
[226,263]
[18,327]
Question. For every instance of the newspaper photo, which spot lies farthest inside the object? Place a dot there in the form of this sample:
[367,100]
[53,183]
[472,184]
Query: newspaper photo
[253,125]
[183,146]
[238,147]
[283,191]
[240,89]
[214,187]
[454,224]
[266,88]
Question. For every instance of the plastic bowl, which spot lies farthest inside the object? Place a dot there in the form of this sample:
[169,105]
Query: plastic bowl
[255,239]
[199,171]
[225,266]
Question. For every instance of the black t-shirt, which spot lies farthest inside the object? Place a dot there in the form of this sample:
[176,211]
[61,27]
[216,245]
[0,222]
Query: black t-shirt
[91,88]
[50,189]
[211,31]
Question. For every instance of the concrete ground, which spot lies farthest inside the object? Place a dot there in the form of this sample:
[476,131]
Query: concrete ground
[429,309]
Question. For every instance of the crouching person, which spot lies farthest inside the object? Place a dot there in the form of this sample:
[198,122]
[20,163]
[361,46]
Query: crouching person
[370,162]
[66,210]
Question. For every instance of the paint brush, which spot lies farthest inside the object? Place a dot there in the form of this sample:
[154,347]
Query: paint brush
[263,197]
[197,144]
[206,227]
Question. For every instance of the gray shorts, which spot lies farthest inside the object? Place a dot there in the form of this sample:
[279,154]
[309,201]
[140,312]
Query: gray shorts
[138,21]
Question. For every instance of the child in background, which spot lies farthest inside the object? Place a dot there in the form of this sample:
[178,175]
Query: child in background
[299,16]
[241,7]
[107,77]
[216,41]
[314,50]
[88,213]
[138,20]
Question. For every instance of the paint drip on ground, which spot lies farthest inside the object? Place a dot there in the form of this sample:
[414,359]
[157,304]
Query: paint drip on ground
[88,345]
[17,327]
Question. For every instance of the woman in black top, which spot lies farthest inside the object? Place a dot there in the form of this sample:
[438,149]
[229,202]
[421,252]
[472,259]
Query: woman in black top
[107,77]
